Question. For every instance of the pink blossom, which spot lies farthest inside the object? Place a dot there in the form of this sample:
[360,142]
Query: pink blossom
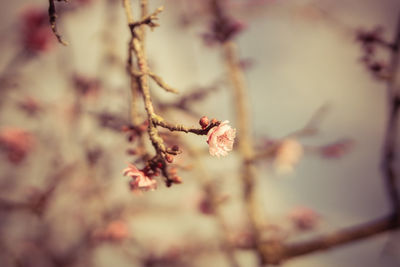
[115,231]
[304,218]
[220,139]
[288,155]
[16,142]
[139,180]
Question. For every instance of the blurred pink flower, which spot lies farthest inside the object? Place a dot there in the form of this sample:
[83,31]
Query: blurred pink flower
[17,143]
[139,179]
[115,231]
[288,155]
[36,32]
[304,218]
[220,139]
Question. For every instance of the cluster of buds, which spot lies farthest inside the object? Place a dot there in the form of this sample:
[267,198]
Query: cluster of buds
[220,138]
[16,142]
[370,41]
[35,30]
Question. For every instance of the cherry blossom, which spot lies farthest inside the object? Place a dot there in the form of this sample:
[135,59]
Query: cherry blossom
[139,179]
[220,139]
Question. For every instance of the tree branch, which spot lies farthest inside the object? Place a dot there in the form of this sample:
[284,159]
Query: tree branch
[53,22]
[278,252]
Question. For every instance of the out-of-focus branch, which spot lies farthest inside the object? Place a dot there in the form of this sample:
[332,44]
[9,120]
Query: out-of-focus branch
[278,252]
[240,102]
[248,174]
[211,194]
[39,202]
[389,147]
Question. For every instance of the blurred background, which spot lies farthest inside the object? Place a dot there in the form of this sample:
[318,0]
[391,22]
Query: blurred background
[64,200]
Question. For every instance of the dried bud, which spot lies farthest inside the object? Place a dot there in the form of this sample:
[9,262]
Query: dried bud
[376,66]
[175,148]
[169,158]
[204,122]
[131,137]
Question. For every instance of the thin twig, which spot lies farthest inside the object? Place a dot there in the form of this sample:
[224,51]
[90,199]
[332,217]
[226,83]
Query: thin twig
[53,22]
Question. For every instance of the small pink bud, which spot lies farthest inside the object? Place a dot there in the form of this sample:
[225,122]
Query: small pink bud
[204,122]
[177,179]
[169,158]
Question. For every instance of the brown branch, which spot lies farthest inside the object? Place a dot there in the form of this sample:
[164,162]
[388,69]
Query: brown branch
[211,193]
[182,128]
[139,82]
[245,142]
[278,252]
[162,84]
[246,150]
[53,22]
[147,20]
[389,153]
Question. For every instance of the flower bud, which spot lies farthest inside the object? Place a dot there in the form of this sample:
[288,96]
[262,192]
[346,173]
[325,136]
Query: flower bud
[213,121]
[204,122]
[169,158]
[176,179]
